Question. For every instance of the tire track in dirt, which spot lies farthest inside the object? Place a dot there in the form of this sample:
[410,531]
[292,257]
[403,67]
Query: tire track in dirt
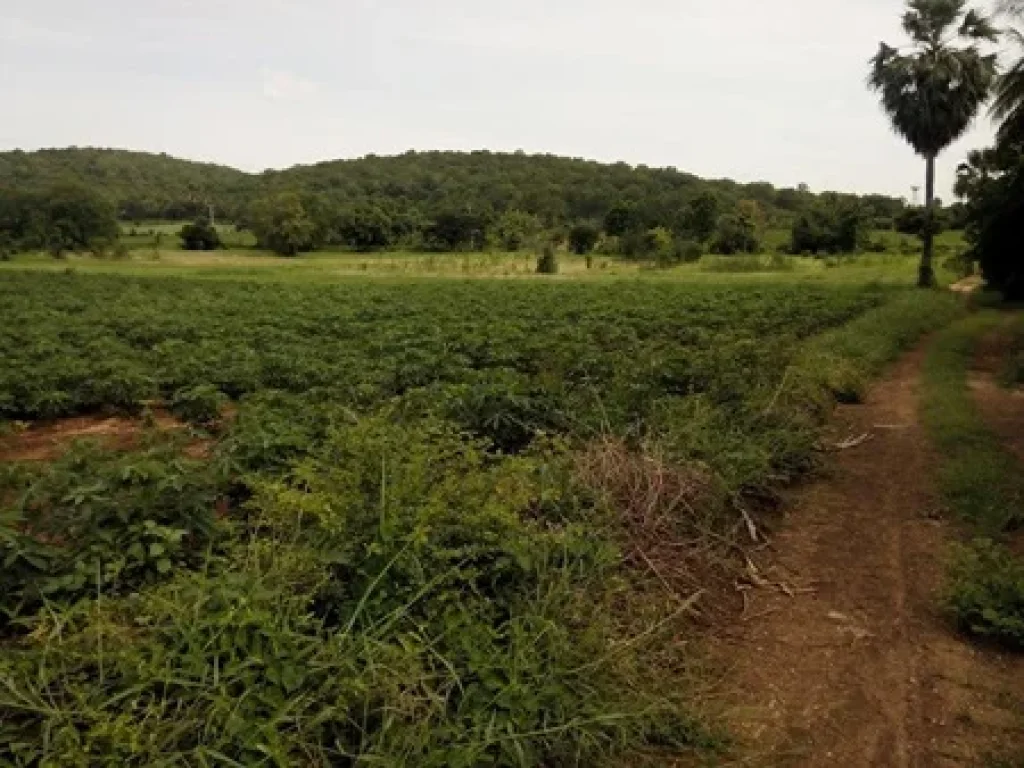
[862,670]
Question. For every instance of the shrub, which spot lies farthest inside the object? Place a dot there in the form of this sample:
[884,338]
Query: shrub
[960,264]
[583,237]
[200,235]
[400,597]
[994,186]
[547,263]
[986,593]
[199,405]
[456,230]
[835,224]
[657,244]
[679,252]
[1013,369]
[735,233]
[688,251]
[517,229]
[914,221]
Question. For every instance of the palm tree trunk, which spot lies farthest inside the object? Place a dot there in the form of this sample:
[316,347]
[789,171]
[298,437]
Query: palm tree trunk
[926,275]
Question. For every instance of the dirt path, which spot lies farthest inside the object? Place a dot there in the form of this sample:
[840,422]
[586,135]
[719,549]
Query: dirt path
[860,670]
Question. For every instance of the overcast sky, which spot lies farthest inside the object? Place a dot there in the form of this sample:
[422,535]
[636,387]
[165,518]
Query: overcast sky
[744,89]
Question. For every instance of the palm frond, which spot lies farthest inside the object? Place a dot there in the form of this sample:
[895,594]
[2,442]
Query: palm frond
[978,27]
[1008,107]
[933,93]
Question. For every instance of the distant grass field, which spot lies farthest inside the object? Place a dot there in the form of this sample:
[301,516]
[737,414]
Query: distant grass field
[163,235]
[240,260]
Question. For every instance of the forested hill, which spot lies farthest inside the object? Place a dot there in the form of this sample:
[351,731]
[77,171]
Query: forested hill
[417,184]
[141,184]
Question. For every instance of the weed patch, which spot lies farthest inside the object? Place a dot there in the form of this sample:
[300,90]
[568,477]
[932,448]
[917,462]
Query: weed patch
[983,485]
[979,477]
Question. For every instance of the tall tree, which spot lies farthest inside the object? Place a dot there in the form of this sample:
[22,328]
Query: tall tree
[1008,108]
[933,89]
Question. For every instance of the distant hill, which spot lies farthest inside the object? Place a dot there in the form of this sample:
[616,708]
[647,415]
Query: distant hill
[141,184]
[556,189]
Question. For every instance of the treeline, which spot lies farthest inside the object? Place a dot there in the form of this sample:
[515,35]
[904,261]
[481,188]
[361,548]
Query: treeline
[437,201]
[290,223]
[558,191]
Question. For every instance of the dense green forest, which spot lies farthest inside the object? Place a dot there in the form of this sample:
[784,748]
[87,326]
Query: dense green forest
[556,190]
[141,185]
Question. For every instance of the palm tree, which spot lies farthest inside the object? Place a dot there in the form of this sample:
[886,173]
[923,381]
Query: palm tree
[933,90]
[1008,107]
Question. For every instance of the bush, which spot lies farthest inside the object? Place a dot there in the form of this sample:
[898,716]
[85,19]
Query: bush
[657,244]
[365,227]
[547,263]
[200,236]
[914,221]
[735,234]
[687,251]
[994,188]
[583,237]
[199,405]
[960,264]
[986,593]
[456,230]
[835,224]
[398,597]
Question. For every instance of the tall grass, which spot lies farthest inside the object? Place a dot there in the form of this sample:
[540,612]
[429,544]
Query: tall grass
[980,478]
[983,485]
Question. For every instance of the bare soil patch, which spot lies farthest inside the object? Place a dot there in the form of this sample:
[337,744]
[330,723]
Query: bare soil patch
[842,656]
[47,441]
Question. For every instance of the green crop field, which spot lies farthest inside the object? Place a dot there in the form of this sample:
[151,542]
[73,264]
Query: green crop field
[409,533]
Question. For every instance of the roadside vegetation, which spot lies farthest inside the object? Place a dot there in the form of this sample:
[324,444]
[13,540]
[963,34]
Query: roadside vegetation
[984,486]
[1013,370]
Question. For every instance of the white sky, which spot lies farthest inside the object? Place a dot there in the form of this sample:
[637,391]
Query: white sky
[744,89]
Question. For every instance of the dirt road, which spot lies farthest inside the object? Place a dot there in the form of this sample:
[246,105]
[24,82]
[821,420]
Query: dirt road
[845,659]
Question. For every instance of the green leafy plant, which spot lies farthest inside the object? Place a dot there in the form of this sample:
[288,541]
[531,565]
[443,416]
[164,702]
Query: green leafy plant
[985,593]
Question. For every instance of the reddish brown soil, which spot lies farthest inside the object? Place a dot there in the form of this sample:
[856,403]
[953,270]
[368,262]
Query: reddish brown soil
[861,669]
[47,441]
